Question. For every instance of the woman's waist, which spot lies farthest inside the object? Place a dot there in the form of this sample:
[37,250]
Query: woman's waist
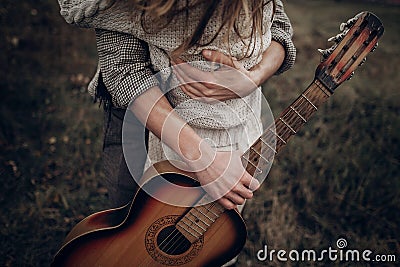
[220,115]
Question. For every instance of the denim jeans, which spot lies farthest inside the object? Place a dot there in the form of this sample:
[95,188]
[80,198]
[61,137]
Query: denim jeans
[119,179]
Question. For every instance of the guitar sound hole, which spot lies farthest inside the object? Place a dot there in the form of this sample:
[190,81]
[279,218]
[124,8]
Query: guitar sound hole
[172,242]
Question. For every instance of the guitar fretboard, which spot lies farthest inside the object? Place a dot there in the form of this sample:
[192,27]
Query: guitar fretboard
[198,219]
[258,158]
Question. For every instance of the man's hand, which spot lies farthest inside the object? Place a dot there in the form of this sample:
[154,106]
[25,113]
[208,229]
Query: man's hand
[221,173]
[223,176]
[231,184]
[230,80]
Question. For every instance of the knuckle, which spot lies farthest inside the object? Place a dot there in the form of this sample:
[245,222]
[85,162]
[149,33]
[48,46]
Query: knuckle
[231,206]
[240,201]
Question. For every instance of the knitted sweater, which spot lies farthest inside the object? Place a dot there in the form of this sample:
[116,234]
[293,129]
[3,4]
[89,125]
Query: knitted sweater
[224,123]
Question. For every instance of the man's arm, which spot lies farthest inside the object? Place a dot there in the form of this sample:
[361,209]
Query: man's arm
[282,33]
[125,66]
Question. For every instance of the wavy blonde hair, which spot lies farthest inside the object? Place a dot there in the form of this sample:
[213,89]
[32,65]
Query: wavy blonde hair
[231,11]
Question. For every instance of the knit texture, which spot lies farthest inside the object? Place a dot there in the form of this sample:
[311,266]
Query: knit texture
[224,123]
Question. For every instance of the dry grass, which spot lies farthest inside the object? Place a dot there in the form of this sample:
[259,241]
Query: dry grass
[339,177]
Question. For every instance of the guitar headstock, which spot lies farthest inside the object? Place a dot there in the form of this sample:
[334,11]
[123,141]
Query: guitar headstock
[359,36]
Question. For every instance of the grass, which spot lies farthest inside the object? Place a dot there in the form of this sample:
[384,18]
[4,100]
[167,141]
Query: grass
[338,178]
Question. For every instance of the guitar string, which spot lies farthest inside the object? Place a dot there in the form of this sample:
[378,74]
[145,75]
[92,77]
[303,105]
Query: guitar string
[209,210]
[175,236]
[269,134]
[183,239]
[291,116]
[178,238]
[171,236]
[303,106]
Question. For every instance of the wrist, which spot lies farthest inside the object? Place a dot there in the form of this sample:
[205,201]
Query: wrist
[198,155]
[256,77]
[272,60]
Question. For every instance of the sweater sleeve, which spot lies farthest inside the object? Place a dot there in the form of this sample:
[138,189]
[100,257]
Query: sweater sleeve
[282,32]
[124,65]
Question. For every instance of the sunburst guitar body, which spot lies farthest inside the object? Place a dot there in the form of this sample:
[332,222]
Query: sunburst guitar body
[149,232]
[144,232]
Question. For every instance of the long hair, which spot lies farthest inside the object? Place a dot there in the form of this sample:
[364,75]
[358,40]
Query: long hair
[231,16]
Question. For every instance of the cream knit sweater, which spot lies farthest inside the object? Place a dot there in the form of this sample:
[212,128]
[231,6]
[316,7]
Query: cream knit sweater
[232,124]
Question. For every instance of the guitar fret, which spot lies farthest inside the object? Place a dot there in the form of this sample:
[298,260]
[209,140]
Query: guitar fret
[199,211]
[211,219]
[265,143]
[277,135]
[298,114]
[259,154]
[287,125]
[216,215]
[308,100]
[322,88]
[201,216]
[194,222]
[252,164]
[219,207]
[191,228]
[187,231]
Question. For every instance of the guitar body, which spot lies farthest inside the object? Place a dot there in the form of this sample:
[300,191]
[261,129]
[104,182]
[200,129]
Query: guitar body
[150,232]
[132,235]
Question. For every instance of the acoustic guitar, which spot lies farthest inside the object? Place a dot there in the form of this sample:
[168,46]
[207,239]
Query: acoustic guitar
[149,232]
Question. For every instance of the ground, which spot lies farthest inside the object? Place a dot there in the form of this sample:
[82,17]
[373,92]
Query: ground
[338,178]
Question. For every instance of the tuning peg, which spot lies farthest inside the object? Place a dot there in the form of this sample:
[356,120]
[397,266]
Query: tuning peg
[327,52]
[349,23]
[324,53]
[338,38]
[362,62]
[350,76]
[374,48]
[343,26]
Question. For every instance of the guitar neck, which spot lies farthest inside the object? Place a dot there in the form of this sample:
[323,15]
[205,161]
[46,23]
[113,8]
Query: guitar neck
[258,158]
[359,37]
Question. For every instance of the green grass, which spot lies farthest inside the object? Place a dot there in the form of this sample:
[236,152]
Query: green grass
[339,177]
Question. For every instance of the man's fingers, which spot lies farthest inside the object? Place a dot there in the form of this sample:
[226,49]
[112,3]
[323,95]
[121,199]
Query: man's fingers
[243,191]
[235,198]
[196,88]
[193,74]
[228,204]
[250,182]
[218,57]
